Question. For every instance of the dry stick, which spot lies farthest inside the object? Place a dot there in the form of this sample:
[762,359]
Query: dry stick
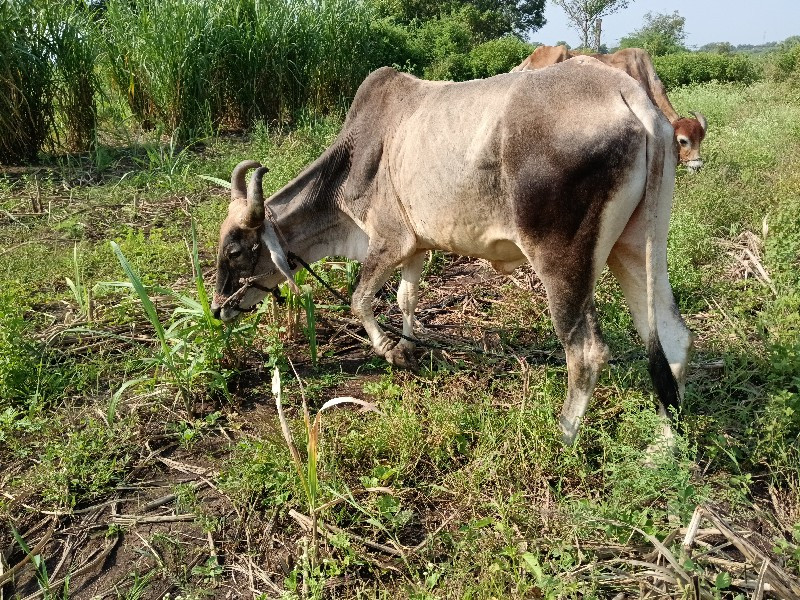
[340,499]
[773,574]
[98,560]
[169,497]
[262,577]
[692,529]
[431,535]
[305,522]
[67,549]
[186,468]
[152,550]
[684,577]
[139,520]
[762,572]
[8,575]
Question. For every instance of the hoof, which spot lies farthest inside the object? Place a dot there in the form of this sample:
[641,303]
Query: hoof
[402,357]
[569,431]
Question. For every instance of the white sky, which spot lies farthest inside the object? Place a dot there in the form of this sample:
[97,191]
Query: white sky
[734,21]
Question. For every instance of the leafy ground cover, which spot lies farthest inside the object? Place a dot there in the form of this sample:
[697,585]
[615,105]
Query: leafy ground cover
[143,455]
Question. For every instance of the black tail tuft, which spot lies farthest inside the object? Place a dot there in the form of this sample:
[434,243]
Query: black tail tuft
[661,374]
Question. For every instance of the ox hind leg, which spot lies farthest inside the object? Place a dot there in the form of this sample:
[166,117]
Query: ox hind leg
[383,258]
[570,295]
[669,358]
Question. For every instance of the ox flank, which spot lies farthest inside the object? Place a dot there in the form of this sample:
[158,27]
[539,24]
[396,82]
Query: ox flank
[567,168]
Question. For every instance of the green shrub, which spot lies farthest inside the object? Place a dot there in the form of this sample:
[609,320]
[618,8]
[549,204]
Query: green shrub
[391,44]
[498,56]
[442,45]
[784,63]
[689,68]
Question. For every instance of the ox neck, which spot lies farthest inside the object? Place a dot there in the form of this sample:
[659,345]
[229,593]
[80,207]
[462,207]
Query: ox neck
[307,211]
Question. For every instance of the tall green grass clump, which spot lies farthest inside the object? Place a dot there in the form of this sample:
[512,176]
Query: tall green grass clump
[48,80]
[26,110]
[193,66]
[281,56]
[73,41]
[162,56]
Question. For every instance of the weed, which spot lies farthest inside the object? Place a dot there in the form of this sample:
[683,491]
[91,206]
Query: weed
[80,292]
[308,472]
[191,346]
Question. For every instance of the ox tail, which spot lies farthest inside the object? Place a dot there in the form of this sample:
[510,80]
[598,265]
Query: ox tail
[664,382]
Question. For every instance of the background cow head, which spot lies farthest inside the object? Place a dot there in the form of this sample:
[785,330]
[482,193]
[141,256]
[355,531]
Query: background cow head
[689,134]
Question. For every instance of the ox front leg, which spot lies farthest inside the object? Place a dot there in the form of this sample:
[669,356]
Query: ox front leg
[575,321]
[402,355]
[381,261]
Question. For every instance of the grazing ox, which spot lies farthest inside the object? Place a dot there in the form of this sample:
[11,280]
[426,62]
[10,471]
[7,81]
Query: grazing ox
[689,133]
[567,168]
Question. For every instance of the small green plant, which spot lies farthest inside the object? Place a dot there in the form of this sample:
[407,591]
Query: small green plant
[308,471]
[42,576]
[192,344]
[80,292]
[297,304]
[350,269]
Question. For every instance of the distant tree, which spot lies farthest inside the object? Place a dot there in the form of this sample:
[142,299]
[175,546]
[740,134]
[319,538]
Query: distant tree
[491,19]
[718,48]
[583,14]
[661,34]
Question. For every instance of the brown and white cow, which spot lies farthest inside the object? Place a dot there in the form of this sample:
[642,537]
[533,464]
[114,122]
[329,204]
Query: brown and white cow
[567,168]
[689,133]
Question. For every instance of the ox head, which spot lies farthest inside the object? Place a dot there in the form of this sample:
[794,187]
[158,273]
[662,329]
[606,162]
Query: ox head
[689,134]
[250,261]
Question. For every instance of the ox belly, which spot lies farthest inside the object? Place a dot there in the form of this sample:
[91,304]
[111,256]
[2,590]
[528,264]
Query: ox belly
[450,186]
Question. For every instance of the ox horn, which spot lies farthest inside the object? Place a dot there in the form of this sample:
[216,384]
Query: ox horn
[701,119]
[252,216]
[238,185]
[269,237]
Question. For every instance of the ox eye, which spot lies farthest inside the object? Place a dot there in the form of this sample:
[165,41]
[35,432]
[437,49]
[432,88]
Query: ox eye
[683,142]
[234,253]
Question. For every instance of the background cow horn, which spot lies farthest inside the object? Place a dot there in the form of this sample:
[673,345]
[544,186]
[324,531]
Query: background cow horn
[253,215]
[701,118]
[238,185]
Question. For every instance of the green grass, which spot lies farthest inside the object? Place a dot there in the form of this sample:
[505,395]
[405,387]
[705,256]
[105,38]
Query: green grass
[462,475]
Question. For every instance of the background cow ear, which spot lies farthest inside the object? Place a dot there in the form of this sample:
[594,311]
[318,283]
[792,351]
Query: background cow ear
[701,119]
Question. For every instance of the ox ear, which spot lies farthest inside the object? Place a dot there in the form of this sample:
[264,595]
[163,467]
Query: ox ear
[701,119]
[270,239]
[252,214]
[253,218]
